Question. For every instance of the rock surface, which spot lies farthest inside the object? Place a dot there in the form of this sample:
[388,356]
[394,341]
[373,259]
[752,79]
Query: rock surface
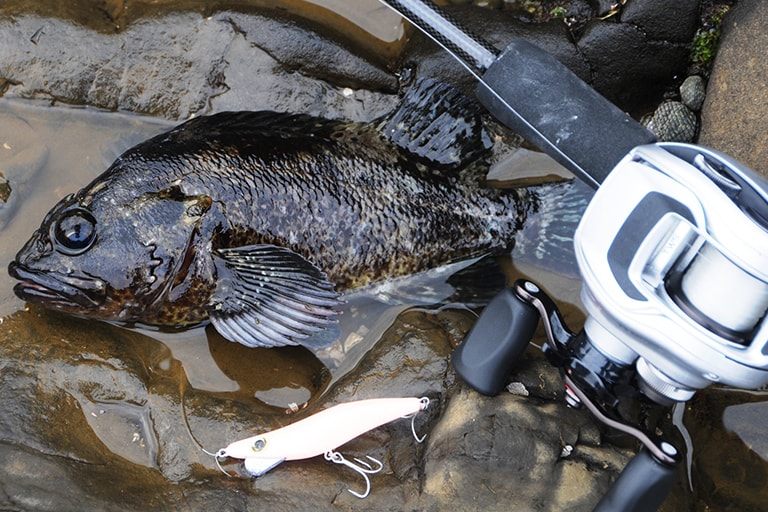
[183,64]
[629,59]
[735,114]
[191,63]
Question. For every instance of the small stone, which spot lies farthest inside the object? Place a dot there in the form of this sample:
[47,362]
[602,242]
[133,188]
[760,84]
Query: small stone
[673,121]
[517,388]
[692,92]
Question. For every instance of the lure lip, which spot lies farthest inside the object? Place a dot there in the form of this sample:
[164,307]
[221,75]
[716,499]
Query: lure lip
[257,466]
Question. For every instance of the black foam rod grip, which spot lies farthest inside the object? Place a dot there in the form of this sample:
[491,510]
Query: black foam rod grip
[535,95]
[641,487]
[489,353]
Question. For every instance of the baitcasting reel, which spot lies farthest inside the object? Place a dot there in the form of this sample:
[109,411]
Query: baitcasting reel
[673,251]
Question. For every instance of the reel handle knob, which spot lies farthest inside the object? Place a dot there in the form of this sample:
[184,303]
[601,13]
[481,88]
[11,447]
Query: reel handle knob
[489,353]
[642,486]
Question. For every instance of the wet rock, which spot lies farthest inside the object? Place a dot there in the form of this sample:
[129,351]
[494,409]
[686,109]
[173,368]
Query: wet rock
[509,452]
[663,21]
[413,354]
[268,78]
[367,25]
[177,65]
[151,68]
[109,417]
[625,61]
[630,68]
[734,113]
[104,418]
[307,51]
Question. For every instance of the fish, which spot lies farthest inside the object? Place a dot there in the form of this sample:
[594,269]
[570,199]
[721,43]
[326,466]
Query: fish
[259,221]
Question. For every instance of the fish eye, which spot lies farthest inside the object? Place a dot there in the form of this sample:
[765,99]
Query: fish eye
[75,232]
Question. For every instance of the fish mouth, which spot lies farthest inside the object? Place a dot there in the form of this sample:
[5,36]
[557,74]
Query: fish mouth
[51,289]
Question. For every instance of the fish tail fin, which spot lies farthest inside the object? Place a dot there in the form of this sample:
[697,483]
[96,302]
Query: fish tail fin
[546,239]
[437,122]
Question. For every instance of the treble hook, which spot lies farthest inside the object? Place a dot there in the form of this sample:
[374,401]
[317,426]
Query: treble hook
[338,458]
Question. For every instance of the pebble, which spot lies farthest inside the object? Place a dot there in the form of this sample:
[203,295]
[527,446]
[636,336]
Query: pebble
[692,92]
[678,120]
[673,121]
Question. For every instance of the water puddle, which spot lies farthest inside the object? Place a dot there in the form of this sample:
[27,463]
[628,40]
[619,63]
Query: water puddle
[125,429]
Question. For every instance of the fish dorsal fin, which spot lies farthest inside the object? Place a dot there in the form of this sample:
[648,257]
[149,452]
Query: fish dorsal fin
[269,296]
[438,123]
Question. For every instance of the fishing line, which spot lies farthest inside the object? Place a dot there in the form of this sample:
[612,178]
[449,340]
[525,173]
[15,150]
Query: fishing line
[216,456]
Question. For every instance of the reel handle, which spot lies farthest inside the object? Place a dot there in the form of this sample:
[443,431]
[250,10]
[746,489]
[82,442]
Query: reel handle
[489,353]
[641,487]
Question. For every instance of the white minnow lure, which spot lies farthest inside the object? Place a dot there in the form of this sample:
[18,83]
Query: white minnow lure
[322,433]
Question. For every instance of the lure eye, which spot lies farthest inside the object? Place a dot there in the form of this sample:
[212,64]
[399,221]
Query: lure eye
[75,232]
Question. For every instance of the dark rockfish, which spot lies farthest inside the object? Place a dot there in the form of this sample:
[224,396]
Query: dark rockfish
[258,220]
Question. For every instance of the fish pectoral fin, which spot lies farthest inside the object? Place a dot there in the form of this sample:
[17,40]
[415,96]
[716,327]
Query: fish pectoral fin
[269,296]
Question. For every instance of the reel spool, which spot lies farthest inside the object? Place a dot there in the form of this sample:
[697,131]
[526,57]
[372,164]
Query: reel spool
[720,295]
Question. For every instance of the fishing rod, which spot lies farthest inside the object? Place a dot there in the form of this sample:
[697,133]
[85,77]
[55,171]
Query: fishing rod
[536,96]
[672,250]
